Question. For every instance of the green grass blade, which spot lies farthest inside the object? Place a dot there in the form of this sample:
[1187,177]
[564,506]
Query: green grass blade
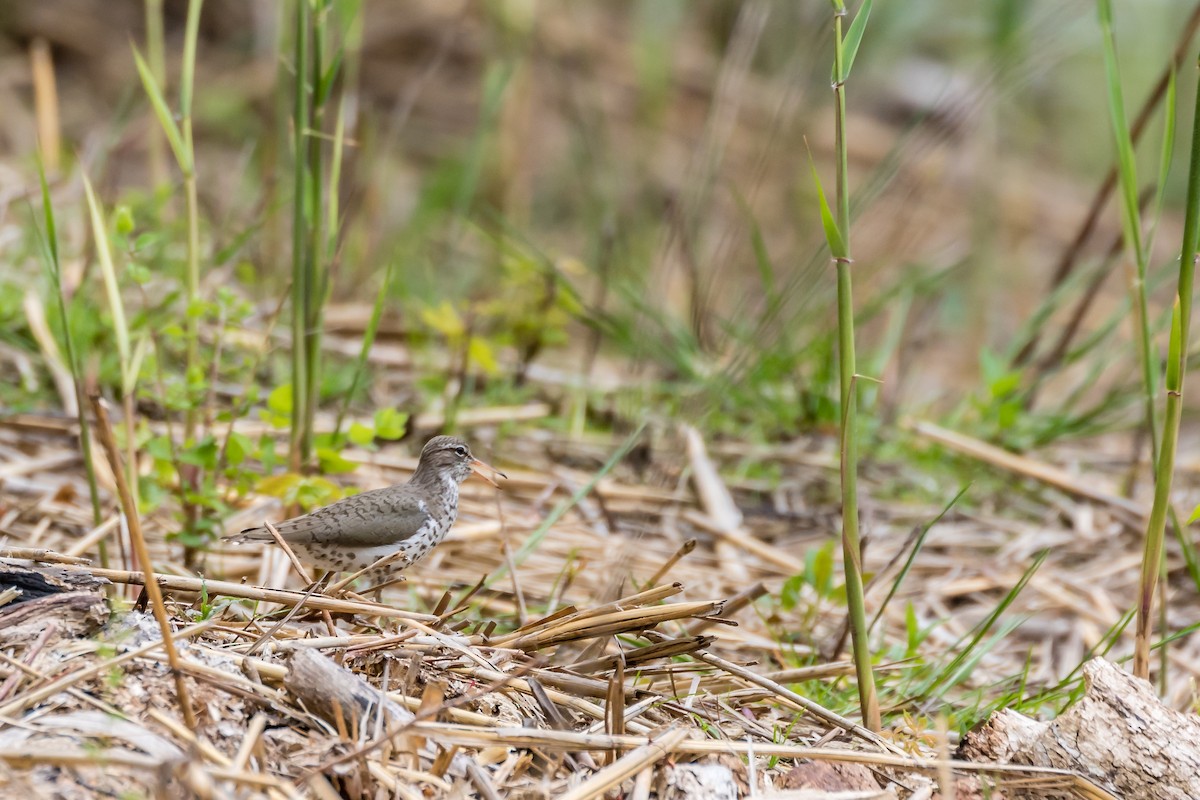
[187,76]
[109,272]
[1165,156]
[833,235]
[332,220]
[165,119]
[562,508]
[54,267]
[1126,165]
[51,239]
[1165,465]
[940,680]
[360,364]
[912,556]
[1131,222]
[853,39]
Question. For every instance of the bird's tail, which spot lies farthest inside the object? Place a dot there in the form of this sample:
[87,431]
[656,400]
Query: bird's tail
[260,534]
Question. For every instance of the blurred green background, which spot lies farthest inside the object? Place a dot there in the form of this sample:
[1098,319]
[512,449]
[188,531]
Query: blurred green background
[617,196]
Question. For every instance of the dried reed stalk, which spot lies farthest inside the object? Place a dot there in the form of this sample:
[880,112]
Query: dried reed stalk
[105,433]
[284,597]
[627,766]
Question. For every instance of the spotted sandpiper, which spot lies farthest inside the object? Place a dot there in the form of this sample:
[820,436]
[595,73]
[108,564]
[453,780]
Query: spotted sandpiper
[406,521]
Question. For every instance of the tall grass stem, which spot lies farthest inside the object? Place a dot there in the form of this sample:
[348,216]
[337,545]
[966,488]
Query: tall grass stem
[54,267]
[1176,367]
[301,438]
[851,544]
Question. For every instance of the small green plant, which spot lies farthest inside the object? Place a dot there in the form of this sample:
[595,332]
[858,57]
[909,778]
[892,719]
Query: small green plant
[1175,368]
[837,234]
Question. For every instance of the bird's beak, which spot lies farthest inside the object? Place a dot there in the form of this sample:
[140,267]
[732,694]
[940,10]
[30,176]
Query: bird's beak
[478,468]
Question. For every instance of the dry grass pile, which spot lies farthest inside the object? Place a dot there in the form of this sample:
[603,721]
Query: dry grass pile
[636,641]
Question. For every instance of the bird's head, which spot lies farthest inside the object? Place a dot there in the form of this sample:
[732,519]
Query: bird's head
[449,456]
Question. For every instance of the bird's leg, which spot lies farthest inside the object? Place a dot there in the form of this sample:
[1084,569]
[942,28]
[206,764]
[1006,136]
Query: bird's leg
[292,613]
[371,568]
[321,580]
[379,587]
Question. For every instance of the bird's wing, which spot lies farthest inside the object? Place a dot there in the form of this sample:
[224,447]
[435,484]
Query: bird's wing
[371,519]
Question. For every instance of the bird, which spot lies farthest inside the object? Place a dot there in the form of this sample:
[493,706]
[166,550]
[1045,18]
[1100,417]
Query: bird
[404,521]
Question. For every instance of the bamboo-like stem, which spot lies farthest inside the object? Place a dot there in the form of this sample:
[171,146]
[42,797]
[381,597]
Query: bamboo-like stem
[851,545]
[300,437]
[315,251]
[129,507]
[1176,366]
[156,58]
[188,167]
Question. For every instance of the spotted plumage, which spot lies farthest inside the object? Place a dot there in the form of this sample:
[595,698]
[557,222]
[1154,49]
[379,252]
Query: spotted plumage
[410,518]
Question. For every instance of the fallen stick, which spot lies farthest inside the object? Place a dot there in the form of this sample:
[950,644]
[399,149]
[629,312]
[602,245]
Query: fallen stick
[339,696]
[718,504]
[627,766]
[285,597]
[472,736]
[747,542]
[41,555]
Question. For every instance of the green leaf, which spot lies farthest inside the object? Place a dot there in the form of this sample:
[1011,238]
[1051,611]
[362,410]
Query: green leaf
[853,39]
[480,353]
[325,84]
[819,569]
[165,119]
[187,78]
[237,448]
[444,319]
[1195,516]
[159,448]
[279,485]
[1175,350]
[789,595]
[1170,105]
[1005,385]
[332,462]
[912,629]
[390,423]
[280,400]
[123,220]
[202,454]
[48,214]
[138,273]
[268,454]
[1126,164]
[147,239]
[361,435]
[833,235]
[316,491]
[109,271]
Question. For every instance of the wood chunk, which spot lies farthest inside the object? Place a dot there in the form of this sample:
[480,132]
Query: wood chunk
[698,782]
[49,594]
[78,614]
[44,580]
[330,692]
[1119,735]
[830,776]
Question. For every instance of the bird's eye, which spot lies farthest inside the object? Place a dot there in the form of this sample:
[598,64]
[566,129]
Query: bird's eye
[460,450]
